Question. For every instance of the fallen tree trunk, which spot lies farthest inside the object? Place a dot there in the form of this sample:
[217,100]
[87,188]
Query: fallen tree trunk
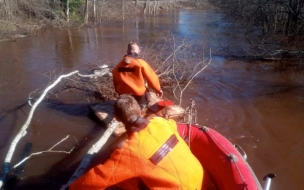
[88,157]
[22,132]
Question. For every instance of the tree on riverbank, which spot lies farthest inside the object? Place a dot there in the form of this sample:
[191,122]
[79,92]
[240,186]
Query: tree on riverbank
[274,28]
[26,17]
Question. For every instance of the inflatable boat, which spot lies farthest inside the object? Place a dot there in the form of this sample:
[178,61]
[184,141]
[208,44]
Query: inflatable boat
[225,166]
[221,159]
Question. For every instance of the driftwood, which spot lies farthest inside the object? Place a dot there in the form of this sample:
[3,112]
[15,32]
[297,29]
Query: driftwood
[88,157]
[50,150]
[85,162]
[105,114]
[6,165]
[22,132]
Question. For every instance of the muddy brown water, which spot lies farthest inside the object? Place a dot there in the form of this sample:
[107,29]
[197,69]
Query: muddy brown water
[251,103]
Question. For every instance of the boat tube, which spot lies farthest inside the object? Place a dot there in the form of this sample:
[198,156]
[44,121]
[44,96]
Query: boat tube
[225,168]
[219,158]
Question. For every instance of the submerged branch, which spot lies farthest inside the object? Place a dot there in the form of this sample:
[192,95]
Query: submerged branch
[88,157]
[22,132]
[41,152]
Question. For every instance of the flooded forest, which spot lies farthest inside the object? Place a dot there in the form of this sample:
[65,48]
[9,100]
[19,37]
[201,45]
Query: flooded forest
[241,61]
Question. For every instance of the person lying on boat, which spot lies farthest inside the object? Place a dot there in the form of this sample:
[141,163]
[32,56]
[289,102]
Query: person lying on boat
[154,156]
[132,73]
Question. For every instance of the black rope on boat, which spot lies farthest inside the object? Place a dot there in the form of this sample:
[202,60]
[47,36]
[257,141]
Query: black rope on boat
[231,156]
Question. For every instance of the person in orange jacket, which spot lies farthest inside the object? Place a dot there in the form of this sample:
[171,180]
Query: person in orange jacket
[131,75]
[154,156]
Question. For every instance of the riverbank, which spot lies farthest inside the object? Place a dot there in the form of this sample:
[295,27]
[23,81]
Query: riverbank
[29,19]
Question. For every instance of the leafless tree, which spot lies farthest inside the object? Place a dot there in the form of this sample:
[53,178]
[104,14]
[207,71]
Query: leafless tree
[178,62]
[123,9]
[274,28]
[68,10]
[94,10]
[86,12]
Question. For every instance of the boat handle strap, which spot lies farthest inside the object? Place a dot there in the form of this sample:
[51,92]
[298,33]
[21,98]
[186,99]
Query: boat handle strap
[242,152]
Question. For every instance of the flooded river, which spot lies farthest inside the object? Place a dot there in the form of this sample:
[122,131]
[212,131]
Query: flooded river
[251,103]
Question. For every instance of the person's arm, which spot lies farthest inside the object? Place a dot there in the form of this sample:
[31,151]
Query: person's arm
[151,77]
[114,170]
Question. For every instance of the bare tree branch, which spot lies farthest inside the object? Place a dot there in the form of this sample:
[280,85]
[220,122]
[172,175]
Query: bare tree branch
[50,150]
[88,157]
[23,131]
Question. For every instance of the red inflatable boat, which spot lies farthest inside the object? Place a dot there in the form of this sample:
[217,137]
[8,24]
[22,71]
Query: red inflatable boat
[225,168]
[221,159]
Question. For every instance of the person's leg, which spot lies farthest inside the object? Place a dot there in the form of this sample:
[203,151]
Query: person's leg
[142,100]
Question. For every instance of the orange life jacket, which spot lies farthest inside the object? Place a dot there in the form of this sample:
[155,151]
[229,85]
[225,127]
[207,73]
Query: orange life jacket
[156,155]
[130,74]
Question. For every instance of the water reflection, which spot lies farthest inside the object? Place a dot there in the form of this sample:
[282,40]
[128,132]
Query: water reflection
[252,104]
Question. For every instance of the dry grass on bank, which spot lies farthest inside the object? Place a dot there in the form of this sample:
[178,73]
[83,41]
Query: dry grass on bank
[25,19]
[11,30]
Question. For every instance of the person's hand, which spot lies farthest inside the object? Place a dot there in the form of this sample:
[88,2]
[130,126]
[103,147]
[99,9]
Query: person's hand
[159,93]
